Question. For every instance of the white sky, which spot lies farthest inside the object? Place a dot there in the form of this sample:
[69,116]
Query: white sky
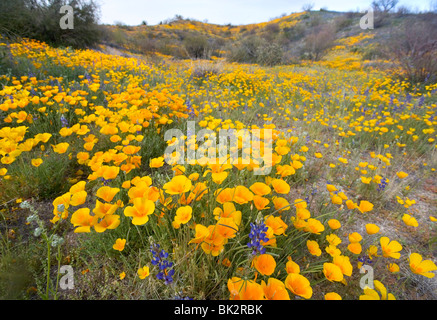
[133,12]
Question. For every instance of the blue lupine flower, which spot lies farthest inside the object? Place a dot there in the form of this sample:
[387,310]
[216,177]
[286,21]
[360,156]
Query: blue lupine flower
[88,77]
[181,297]
[190,109]
[64,121]
[160,259]
[256,235]
[105,182]
[365,260]
[382,184]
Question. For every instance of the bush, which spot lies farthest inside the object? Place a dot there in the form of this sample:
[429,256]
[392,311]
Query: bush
[384,5]
[16,18]
[342,22]
[371,52]
[197,46]
[296,32]
[256,50]
[143,42]
[315,20]
[203,69]
[381,19]
[272,28]
[40,20]
[414,49]
[402,11]
[269,54]
[270,32]
[245,50]
[319,41]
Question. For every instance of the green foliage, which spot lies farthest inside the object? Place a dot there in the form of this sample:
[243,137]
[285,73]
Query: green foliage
[370,52]
[44,182]
[269,54]
[197,46]
[256,50]
[294,33]
[15,269]
[343,22]
[41,20]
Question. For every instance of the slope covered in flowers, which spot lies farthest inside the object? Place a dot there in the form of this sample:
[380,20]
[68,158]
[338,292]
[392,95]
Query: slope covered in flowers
[352,151]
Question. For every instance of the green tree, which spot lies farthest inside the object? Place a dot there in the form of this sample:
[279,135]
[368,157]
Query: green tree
[40,20]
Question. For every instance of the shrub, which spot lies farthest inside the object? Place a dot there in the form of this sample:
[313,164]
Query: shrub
[371,52]
[384,5]
[245,50]
[144,43]
[319,41]
[296,32]
[270,32]
[256,50]
[203,69]
[308,7]
[402,11]
[272,28]
[40,20]
[269,54]
[16,18]
[342,22]
[197,46]
[315,20]
[413,48]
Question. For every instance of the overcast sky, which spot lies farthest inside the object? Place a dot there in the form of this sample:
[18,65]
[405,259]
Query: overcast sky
[133,12]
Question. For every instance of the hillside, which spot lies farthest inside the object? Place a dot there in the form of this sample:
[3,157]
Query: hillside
[288,34]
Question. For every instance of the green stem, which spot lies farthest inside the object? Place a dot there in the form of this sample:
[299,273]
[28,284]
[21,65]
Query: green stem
[59,268]
[48,267]
[318,281]
[141,236]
